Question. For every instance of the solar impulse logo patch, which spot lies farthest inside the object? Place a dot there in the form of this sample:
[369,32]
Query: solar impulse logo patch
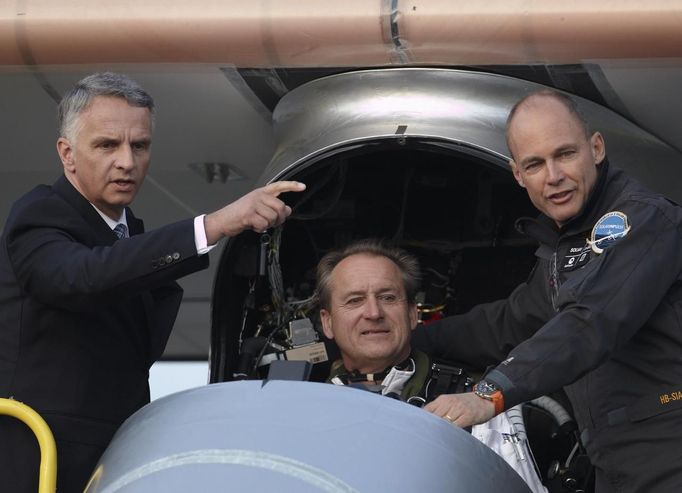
[610,228]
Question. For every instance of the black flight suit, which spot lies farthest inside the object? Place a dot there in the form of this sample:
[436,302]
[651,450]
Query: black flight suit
[606,327]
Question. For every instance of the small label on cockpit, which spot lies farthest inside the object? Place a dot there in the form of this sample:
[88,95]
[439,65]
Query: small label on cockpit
[315,353]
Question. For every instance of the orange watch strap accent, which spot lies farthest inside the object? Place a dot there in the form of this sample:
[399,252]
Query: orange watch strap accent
[498,401]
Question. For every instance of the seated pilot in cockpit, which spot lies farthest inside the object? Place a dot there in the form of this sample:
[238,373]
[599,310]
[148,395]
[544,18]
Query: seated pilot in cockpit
[366,293]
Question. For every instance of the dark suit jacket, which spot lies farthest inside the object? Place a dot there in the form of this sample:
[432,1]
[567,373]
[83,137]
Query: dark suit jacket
[83,316]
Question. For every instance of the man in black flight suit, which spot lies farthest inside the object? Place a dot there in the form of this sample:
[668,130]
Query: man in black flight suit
[600,315]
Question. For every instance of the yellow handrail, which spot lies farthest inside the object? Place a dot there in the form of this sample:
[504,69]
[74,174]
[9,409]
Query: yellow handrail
[48,450]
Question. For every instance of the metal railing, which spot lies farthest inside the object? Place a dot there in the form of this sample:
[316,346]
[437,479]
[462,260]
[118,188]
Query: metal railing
[48,450]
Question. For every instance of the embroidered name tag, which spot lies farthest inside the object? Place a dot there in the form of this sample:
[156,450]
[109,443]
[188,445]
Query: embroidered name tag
[575,257]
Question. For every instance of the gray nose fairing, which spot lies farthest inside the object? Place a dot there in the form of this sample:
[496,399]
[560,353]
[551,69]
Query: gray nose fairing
[295,437]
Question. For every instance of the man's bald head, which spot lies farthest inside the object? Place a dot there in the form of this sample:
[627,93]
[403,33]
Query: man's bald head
[531,99]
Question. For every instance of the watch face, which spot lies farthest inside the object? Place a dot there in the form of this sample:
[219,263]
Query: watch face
[486,388]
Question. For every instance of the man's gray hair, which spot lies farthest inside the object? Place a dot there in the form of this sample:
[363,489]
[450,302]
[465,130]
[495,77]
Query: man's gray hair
[407,263]
[569,103]
[99,84]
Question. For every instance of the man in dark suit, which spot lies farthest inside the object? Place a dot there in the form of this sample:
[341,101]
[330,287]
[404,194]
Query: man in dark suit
[82,315]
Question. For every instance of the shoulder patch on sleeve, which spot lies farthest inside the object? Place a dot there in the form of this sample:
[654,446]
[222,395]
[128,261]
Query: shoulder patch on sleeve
[610,228]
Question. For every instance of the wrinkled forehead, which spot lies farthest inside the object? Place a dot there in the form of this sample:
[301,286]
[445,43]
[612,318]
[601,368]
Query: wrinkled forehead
[367,273]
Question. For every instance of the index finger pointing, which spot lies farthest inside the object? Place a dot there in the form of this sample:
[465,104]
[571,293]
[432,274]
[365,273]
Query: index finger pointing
[278,187]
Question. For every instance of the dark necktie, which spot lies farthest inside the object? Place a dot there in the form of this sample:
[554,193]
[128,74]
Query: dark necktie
[121,231]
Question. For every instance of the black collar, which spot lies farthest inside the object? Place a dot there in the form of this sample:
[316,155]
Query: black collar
[355,376]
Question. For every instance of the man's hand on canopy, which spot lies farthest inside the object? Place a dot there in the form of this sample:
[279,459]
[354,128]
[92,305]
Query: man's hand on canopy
[462,409]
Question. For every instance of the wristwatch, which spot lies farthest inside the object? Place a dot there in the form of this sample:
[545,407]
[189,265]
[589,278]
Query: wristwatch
[490,392]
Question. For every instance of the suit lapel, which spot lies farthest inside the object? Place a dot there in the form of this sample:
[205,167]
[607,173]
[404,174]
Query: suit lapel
[104,236]
[101,230]
[135,225]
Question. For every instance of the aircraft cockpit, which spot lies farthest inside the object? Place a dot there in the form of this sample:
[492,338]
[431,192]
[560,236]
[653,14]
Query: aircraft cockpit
[416,156]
